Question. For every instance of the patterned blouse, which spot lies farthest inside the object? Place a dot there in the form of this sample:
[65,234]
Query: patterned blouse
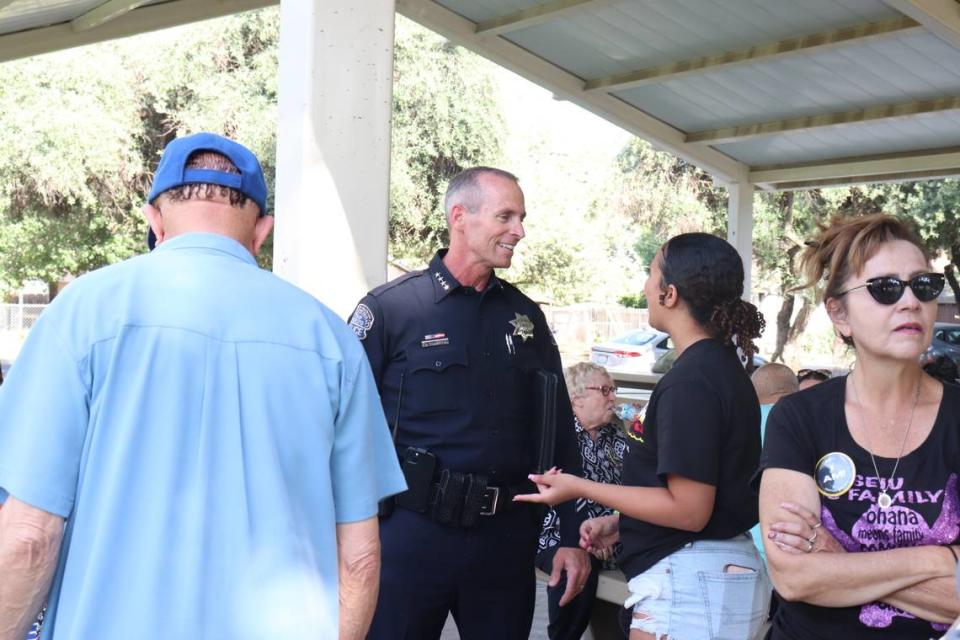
[34,632]
[602,462]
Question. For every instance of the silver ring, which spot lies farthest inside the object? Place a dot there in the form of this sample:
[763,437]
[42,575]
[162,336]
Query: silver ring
[817,526]
[809,546]
[812,538]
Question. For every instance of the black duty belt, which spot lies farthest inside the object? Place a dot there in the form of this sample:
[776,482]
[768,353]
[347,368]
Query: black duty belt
[461,499]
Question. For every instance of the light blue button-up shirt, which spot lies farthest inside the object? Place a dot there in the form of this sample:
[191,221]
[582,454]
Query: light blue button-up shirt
[203,426]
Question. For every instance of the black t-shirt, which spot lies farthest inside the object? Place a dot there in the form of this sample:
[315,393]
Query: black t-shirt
[702,423]
[802,429]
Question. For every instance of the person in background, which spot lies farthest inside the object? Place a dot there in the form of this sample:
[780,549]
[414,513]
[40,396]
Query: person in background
[807,378]
[602,442]
[772,381]
[858,480]
[686,504]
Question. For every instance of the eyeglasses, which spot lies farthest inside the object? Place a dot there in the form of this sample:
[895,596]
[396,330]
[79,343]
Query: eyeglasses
[604,390]
[889,289]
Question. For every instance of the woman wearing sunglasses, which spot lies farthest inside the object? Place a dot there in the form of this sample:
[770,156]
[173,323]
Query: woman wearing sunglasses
[686,503]
[858,497]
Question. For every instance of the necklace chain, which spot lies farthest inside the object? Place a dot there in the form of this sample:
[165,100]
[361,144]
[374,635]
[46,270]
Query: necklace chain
[863,425]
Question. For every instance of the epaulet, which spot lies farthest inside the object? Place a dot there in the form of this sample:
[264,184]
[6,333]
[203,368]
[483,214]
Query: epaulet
[396,282]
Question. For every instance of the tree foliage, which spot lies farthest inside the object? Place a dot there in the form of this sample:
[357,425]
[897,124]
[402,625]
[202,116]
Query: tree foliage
[85,128]
[445,118]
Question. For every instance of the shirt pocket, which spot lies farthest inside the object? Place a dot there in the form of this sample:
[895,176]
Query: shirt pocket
[436,381]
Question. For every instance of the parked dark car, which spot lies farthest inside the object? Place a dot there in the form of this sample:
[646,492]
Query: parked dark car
[946,342]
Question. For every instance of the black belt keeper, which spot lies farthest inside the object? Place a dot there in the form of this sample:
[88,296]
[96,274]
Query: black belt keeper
[472,500]
[447,508]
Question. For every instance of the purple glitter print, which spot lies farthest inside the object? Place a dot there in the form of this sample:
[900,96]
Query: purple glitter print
[897,526]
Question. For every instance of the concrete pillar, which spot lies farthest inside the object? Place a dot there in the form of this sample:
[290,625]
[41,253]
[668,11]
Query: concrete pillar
[333,147]
[740,227]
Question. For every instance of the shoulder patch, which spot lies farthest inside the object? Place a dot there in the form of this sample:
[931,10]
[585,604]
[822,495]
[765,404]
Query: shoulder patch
[361,320]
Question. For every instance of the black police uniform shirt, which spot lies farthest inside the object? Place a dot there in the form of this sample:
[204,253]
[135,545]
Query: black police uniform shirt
[702,423]
[802,430]
[454,369]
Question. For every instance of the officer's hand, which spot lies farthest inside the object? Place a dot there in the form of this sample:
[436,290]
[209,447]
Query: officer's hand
[553,488]
[598,535]
[576,563]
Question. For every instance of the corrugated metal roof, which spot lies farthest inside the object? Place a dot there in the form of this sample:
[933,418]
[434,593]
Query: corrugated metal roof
[869,78]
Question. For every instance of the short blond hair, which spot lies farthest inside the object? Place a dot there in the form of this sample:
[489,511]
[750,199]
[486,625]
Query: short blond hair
[577,376]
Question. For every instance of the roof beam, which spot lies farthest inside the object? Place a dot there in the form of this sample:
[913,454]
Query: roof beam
[942,17]
[804,44]
[807,123]
[104,13]
[569,87]
[906,176]
[533,16]
[899,166]
[149,18]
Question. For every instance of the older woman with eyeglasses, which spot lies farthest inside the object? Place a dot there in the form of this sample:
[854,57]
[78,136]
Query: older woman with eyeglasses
[602,443]
[858,497]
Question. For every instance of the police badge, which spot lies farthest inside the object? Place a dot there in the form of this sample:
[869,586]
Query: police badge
[522,326]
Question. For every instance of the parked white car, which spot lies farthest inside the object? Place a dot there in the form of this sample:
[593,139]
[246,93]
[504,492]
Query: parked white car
[633,352]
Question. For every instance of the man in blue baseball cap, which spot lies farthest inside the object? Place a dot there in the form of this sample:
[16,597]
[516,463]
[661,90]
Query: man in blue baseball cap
[192,447]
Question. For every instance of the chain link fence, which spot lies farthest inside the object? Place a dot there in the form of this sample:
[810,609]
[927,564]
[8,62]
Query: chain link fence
[19,317]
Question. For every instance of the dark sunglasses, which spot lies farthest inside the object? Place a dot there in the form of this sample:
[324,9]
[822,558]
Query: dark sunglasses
[605,390]
[889,289]
[813,374]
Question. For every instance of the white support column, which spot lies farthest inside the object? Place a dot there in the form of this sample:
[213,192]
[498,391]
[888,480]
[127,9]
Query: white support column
[740,227]
[333,147]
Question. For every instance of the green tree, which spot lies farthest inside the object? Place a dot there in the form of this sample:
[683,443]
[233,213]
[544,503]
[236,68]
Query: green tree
[66,171]
[445,119]
[85,128]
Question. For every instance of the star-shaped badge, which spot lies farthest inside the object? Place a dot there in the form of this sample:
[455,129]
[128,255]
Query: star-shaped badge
[522,326]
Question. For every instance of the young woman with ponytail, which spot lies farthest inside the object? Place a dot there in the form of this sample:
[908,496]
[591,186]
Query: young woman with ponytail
[686,505]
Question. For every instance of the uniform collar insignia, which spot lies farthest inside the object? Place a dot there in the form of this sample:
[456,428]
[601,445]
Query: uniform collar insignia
[443,281]
[522,326]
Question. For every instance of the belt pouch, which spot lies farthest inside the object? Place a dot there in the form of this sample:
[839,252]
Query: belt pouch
[446,510]
[473,491]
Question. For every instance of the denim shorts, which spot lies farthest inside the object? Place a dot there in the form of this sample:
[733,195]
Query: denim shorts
[709,589]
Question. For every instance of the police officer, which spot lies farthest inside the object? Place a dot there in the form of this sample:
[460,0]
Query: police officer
[454,351]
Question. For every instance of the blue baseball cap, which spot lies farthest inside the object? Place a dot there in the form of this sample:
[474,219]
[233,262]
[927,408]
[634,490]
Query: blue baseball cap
[172,172]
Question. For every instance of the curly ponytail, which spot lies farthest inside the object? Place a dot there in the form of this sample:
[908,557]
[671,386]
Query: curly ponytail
[739,322]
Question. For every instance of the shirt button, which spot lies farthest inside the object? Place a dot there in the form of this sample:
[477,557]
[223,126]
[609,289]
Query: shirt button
[486,354]
[489,393]
[438,364]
